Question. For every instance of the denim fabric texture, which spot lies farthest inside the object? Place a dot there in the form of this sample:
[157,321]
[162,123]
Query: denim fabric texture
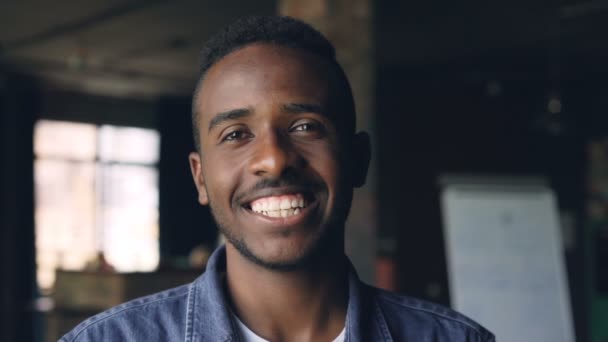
[199,312]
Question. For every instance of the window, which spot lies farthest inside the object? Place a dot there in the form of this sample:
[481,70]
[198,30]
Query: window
[96,191]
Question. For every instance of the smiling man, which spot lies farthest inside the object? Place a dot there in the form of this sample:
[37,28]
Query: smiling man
[277,160]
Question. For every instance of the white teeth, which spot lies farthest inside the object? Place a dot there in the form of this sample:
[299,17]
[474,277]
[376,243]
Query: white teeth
[274,204]
[285,203]
[279,206]
[281,212]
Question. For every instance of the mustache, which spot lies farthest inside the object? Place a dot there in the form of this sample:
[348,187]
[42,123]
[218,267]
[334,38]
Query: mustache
[287,180]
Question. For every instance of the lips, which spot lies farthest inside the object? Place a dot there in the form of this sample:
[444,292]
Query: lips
[285,201]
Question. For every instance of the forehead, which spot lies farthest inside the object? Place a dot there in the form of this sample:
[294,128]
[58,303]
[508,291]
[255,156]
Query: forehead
[262,73]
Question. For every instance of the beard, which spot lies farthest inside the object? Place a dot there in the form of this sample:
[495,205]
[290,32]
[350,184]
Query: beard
[321,246]
[327,240]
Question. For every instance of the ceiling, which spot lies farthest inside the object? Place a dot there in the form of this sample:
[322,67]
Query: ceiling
[125,48]
[135,48]
[444,32]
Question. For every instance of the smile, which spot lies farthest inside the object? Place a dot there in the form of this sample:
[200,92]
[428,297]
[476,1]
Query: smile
[279,206]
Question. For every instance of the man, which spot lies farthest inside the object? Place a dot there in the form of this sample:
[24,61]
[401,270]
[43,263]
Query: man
[277,160]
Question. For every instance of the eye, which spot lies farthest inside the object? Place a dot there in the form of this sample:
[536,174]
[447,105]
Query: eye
[307,126]
[235,135]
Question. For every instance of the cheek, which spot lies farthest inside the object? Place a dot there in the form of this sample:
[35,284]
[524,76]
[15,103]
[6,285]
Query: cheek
[220,177]
[326,164]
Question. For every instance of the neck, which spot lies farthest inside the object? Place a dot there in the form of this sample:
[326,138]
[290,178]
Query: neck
[305,304]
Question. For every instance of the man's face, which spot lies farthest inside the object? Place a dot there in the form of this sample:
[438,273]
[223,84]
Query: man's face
[273,163]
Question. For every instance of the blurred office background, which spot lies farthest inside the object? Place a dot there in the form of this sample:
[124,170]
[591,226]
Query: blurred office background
[96,193]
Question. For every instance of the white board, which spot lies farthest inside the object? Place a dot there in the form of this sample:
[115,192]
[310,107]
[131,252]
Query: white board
[505,260]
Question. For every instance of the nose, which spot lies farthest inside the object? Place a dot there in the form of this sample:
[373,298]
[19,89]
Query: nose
[273,155]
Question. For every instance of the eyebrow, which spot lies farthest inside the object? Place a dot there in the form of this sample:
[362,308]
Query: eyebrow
[296,108]
[292,108]
[227,116]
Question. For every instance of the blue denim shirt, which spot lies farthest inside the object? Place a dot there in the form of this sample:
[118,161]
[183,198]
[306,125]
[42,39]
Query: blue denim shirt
[199,312]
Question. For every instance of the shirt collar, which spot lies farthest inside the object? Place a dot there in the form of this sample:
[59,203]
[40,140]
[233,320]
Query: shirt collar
[208,313]
[209,318]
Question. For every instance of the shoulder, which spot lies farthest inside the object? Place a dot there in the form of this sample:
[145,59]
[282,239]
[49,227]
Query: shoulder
[416,319]
[138,318]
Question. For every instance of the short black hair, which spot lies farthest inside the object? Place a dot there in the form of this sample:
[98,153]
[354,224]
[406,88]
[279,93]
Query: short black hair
[282,31]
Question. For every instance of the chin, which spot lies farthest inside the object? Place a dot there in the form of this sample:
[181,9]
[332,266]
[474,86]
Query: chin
[281,258]
[281,255]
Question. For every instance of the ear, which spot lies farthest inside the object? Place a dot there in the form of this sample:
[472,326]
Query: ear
[197,174]
[360,157]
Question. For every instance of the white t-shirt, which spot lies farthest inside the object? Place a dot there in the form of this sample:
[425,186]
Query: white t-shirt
[250,336]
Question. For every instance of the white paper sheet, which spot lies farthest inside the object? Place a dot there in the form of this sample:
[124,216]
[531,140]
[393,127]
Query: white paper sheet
[505,261]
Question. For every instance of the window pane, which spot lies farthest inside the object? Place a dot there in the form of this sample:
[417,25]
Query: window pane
[69,140]
[129,208]
[127,144]
[84,205]
[65,217]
